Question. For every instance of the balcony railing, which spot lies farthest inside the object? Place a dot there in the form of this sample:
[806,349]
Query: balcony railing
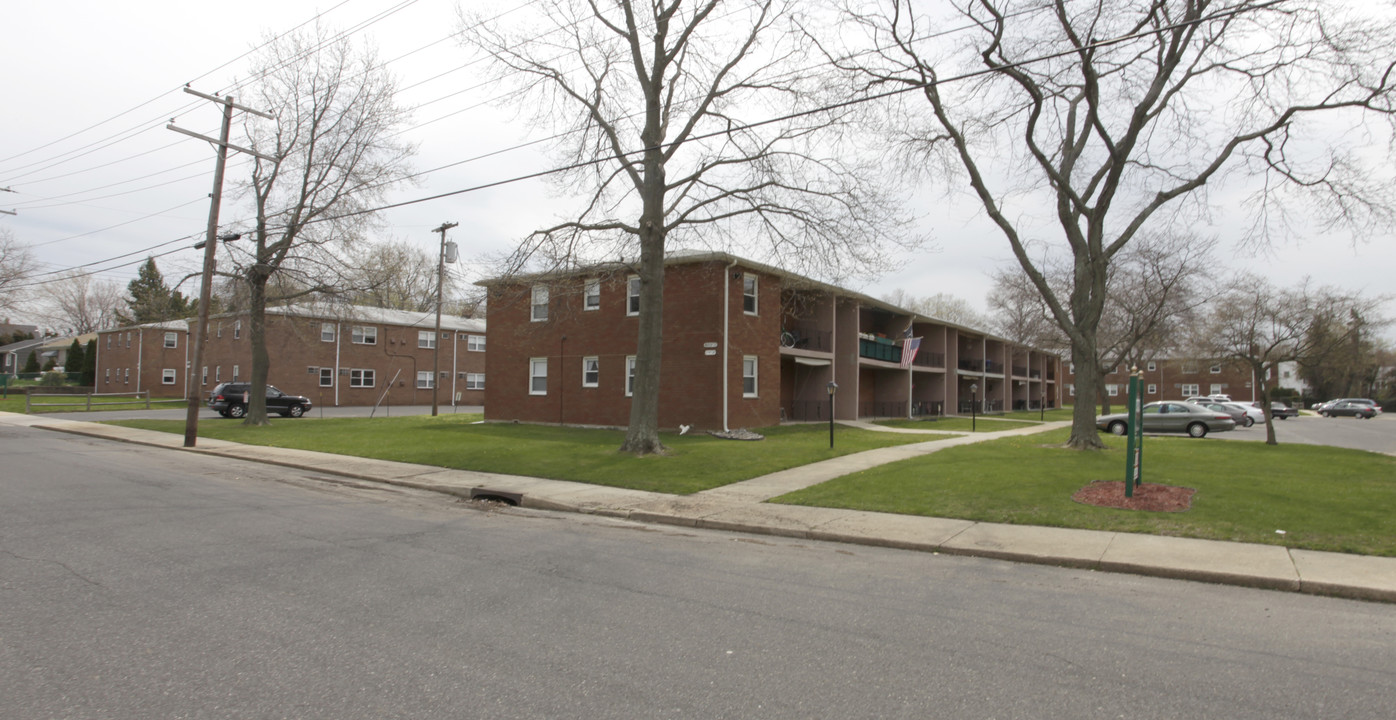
[879,350]
[806,410]
[1035,374]
[993,366]
[973,364]
[1020,370]
[929,359]
[928,408]
[985,407]
[882,409]
[807,338]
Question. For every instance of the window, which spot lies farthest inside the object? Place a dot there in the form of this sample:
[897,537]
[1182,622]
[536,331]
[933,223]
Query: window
[629,375]
[474,381]
[360,378]
[632,295]
[1153,390]
[591,372]
[1073,369]
[540,303]
[425,381]
[364,335]
[218,373]
[538,376]
[1152,367]
[475,343]
[220,330]
[591,294]
[108,374]
[1215,369]
[108,341]
[326,332]
[171,340]
[1216,389]
[128,339]
[127,377]
[167,376]
[748,294]
[1071,390]
[749,376]
[326,377]
[235,373]
[426,339]
[203,376]
[1112,389]
[237,330]
[1191,390]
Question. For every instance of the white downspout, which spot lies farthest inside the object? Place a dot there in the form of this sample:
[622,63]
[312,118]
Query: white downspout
[455,349]
[188,372]
[726,330]
[140,346]
[337,338]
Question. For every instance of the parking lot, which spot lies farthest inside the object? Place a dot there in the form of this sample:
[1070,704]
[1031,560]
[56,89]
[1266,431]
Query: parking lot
[1377,434]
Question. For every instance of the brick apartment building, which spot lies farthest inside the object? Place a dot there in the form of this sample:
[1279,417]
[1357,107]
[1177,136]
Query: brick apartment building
[349,356]
[744,345]
[1179,379]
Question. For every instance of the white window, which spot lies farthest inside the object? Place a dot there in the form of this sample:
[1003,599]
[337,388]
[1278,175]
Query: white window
[1191,390]
[1216,389]
[425,381]
[326,377]
[426,339]
[237,330]
[127,377]
[220,330]
[1073,369]
[108,374]
[235,373]
[108,341]
[171,340]
[591,372]
[364,335]
[128,339]
[1071,390]
[475,343]
[203,376]
[591,294]
[538,376]
[326,332]
[218,373]
[1112,389]
[1153,390]
[629,375]
[632,295]
[749,376]
[167,376]
[1152,367]
[749,294]
[1215,369]
[361,378]
[540,303]
[474,381]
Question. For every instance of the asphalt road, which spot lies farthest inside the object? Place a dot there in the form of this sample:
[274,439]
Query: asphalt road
[1377,434]
[143,583]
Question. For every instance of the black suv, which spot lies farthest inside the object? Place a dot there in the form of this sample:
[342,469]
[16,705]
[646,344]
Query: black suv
[230,400]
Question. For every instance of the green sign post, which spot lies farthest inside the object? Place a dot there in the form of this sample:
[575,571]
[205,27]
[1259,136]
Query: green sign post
[1134,445]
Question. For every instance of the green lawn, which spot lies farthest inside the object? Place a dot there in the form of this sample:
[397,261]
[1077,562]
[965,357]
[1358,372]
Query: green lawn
[697,462]
[15,404]
[1323,498]
[959,424]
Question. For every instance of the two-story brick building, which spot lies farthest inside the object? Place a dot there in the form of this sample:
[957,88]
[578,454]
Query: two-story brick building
[1179,379]
[744,345]
[335,356]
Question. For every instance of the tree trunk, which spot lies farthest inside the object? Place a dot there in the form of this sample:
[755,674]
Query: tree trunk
[1265,405]
[642,437]
[257,334]
[1083,431]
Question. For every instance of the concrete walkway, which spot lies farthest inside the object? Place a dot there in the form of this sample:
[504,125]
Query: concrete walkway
[740,507]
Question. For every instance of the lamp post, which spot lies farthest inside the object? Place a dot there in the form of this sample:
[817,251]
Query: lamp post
[833,388]
[436,339]
[973,406]
[1042,404]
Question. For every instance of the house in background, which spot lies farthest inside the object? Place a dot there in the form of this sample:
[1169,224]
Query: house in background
[56,349]
[14,355]
[1178,379]
[333,355]
[744,345]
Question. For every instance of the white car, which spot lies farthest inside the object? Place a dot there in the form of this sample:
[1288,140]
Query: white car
[1253,414]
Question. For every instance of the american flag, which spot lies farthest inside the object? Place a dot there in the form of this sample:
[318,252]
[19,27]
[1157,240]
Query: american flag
[909,348]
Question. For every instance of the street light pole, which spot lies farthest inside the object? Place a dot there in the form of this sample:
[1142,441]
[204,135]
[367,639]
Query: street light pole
[973,406]
[833,388]
[436,336]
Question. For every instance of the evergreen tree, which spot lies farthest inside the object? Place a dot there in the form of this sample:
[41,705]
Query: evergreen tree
[151,300]
[32,364]
[89,364]
[49,364]
[77,358]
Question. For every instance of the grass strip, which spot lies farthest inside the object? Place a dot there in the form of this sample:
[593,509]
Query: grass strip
[696,462]
[1324,498]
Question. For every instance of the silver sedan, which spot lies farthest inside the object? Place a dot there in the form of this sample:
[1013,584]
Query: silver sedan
[1171,416]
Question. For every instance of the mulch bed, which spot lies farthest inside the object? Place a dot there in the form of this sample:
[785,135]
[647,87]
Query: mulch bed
[1148,497]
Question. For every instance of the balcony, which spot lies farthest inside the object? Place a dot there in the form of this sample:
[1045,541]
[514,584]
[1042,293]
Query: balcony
[880,349]
[993,366]
[882,409]
[971,364]
[807,338]
[1020,370]
[1035,374]
[929,359]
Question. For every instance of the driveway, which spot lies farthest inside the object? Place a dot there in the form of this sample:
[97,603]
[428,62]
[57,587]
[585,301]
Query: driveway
[1376,435]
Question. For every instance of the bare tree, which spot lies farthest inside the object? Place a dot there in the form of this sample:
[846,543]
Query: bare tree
[1113,117]
[942,306]
[334,132]
[16,265]
[1259,326]
[398,275]
[657,103]
[78,303]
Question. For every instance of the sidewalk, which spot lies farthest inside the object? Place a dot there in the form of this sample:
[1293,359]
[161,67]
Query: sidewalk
[740,507]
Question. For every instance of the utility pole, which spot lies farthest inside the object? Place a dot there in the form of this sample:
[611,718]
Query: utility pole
[210,245]
[436,338]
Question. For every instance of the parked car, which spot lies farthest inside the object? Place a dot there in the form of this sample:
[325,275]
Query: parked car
[230,400]
[1253,412]
[1283,411]
[1236,412]
[1363,401]
[1351,408]
[1171,416]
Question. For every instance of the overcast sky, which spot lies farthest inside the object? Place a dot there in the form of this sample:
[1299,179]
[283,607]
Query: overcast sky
[88,87]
